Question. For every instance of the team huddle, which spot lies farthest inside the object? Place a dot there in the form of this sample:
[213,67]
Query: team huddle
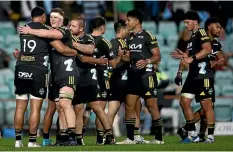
[82,72]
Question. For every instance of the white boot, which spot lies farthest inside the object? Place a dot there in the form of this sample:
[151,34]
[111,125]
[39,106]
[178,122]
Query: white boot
[18,144]
[33,145]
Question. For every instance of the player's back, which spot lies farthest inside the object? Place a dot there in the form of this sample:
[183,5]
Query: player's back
[116,43]
[34,50]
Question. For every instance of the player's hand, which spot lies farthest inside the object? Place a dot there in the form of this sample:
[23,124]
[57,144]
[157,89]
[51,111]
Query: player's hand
[16,53]
[141,64]
[184,65]
[188,60]
[178,79]
[103,61]
[23,29]
[120,51]
[178,54]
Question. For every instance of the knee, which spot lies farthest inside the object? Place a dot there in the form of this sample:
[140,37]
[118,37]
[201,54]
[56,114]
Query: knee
[79,111]
[184,103]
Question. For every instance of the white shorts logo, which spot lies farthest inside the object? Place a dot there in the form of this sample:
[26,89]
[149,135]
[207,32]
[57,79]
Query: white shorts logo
[25,75]
[41,91]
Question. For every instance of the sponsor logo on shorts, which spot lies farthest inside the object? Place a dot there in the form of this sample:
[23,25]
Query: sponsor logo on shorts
[104,94]
[210,91]
[41,91]
[155,92]
[25,75]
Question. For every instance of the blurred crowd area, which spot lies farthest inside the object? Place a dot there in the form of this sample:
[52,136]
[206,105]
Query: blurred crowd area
[154,10]
[163,19]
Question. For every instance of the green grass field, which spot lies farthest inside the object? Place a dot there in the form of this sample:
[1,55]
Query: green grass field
[223,143]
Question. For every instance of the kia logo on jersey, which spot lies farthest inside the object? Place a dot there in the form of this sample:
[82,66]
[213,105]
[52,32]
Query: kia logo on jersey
[134,46]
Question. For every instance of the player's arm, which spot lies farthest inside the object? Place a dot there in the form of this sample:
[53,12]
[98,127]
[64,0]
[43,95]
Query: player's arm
[50,33]
[62,48]
[206,48]
[220,57]
[115,59]
[92,60]
[86,48]
[154,48]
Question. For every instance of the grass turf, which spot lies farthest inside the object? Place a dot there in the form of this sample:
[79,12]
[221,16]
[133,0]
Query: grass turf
[223,143]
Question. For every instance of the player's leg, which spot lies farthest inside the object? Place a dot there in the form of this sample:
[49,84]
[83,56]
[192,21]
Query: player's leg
[63,128]
[200,115]
[65,100]
[79,110]
[21,106]
[187,95]
[137,137]
[133,92]
[21,92]
[86,116]
[113,107]
[150,96]
[206,103]
[34,119]
[78,104]
[99,127]
[100,113]
[38,93]
[48,119]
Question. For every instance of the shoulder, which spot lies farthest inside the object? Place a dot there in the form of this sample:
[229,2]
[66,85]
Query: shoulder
[89,37]
[149,35]
[74,38]
[106,42]
[201,32]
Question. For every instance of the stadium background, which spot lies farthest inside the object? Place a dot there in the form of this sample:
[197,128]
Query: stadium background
[163,19]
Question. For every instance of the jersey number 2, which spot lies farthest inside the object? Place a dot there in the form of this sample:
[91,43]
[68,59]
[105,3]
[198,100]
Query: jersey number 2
[202,66]
[93,71]
[68,64]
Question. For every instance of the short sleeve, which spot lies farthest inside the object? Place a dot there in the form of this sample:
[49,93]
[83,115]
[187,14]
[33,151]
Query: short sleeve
[90,39]
[204,38]
[151,41]
[107,47]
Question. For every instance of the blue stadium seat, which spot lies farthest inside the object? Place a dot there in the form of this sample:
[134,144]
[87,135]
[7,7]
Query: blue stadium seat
[173,64]
[10,108]
[223,108]
[2,42]
[227,90]
[149,26]
[167,28]
[223,77]
[218,90]
[165,52]
[13,41]
[4,92]
[160,39]
[2,79]
[230,61]
[172,41]
[7,28]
